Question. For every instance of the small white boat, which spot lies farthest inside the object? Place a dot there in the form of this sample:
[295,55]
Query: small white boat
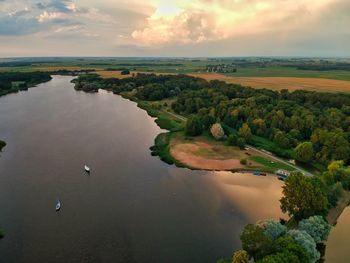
[87,169]
[58,205]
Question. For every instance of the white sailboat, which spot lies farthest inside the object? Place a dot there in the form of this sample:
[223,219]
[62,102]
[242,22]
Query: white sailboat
[58,205]
[87,169]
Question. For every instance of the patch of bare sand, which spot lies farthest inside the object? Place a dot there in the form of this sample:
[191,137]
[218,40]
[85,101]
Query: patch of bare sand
[188,153]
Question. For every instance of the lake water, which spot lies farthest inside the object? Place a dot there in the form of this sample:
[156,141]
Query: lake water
[337,249]
[132,207]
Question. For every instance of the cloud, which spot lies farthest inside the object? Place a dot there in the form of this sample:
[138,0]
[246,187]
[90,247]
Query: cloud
[207,20]
[63,6]
[25,17]
[18,23]
[177,27]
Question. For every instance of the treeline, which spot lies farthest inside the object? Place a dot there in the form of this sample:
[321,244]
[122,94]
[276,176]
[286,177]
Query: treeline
[136,64]
[325,67]
[66,72]
[300,124]
[15,81]
[307,200]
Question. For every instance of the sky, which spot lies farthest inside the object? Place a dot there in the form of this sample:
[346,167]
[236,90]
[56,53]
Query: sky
[174,28]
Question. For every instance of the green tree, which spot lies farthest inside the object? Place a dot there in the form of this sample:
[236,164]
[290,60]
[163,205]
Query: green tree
[255,242]
[287,243]
[240,256]
[245,132]
[272,228]
[304,152]
[241,142]
[281,139]
[307,242]
[316,227]
[232,139]
[303,196]
[193,126]
[286,250]
[280,257]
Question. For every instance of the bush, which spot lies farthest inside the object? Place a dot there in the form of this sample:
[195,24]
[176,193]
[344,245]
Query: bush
[243,161]
[316,227]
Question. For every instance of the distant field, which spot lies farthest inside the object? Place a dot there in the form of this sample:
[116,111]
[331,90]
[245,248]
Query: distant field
[278,83]
[112,74]
[279,71]
[270,77]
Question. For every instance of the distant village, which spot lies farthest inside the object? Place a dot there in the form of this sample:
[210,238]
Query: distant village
[221,68]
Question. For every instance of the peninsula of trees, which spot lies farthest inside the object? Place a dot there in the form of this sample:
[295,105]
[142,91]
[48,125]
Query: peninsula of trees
[311,127]
[15,81]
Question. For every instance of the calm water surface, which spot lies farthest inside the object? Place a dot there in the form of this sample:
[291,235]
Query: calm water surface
[337,249]
[132,207]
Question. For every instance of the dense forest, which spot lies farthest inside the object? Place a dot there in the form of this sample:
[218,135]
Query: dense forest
[312,127]
[15,81]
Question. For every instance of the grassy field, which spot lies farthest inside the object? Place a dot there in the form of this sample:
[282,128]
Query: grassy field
[271,164]
[289,72]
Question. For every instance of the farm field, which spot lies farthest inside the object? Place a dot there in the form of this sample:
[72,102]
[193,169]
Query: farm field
[278,83]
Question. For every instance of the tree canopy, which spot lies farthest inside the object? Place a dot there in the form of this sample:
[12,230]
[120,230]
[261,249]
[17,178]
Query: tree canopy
[303,196]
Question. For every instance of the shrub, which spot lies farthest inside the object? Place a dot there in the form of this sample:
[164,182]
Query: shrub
[243,161]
